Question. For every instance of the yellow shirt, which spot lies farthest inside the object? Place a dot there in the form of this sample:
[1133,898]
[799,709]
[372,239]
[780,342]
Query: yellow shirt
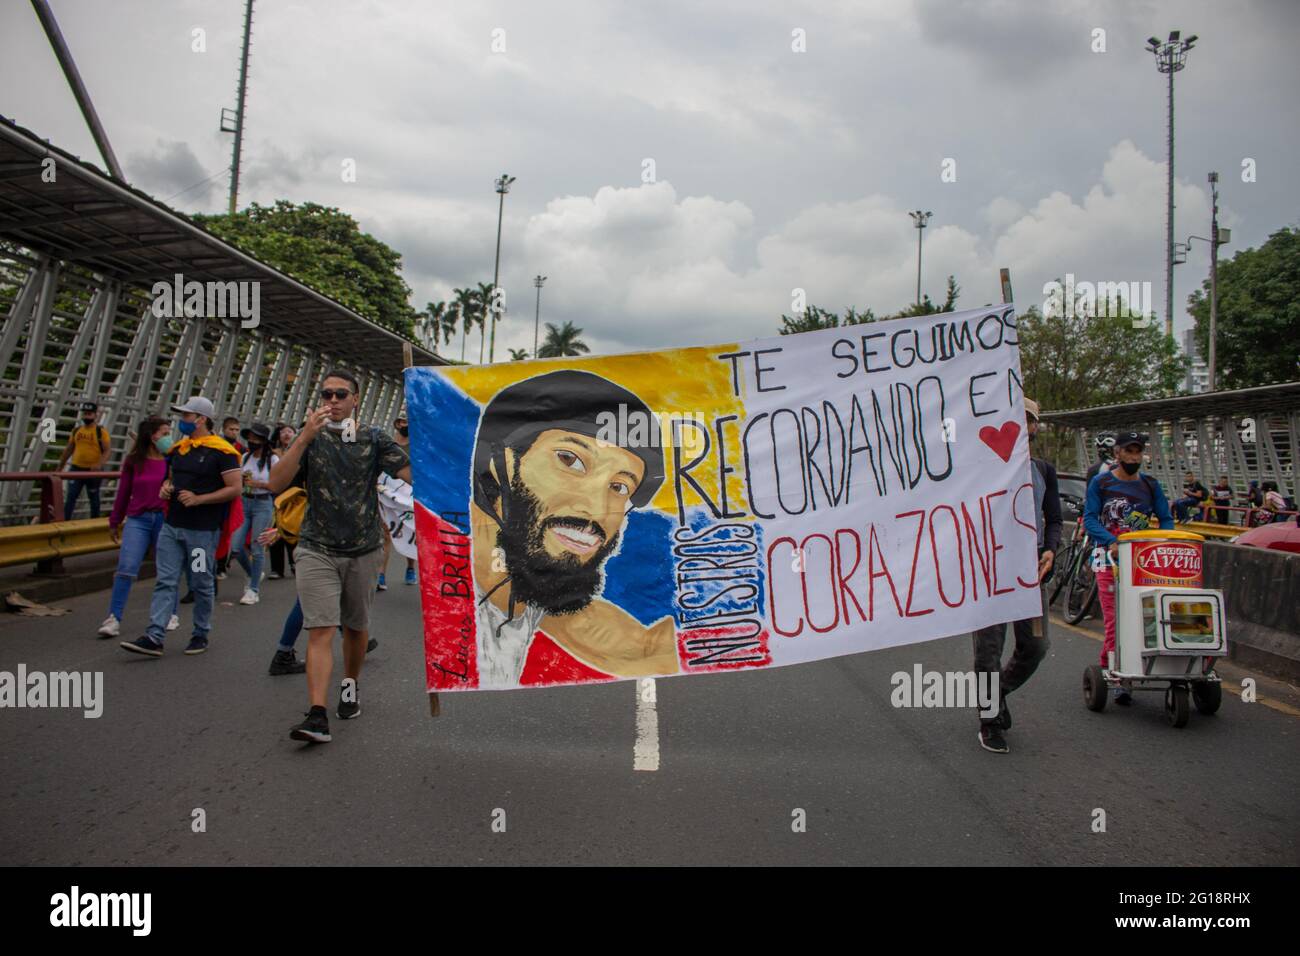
[88,446]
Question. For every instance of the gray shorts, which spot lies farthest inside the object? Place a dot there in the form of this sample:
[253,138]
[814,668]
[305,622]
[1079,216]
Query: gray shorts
[335,590]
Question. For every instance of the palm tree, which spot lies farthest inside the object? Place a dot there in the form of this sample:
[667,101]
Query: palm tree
[431,322]
[518,355]
[484,297]
[562,342]
[466,312]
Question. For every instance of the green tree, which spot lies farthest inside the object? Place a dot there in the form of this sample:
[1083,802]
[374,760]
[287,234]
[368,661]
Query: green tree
[325,249]
[433,322]
[518,355]
[467,311]
[1081,360]
[1259,314]
[562,342]
[814,318]
[483,296]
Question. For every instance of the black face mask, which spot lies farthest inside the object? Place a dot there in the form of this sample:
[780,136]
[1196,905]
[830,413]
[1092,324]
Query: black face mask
[87,422]
[556,585]
[1130,468]
[403,431]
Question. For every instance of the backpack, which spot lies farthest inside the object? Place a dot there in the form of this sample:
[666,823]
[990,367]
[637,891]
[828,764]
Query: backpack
[290,507]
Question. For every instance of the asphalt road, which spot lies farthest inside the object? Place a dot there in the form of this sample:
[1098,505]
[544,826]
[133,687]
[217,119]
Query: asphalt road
[739,754]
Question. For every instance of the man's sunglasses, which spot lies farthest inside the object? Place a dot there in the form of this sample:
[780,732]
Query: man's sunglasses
[339,393]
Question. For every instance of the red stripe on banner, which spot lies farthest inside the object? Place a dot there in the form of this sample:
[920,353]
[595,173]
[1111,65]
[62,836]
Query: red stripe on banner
[447,595]
[704,649]
[548,663]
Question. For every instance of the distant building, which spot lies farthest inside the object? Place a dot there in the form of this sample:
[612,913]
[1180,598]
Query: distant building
[1198,373]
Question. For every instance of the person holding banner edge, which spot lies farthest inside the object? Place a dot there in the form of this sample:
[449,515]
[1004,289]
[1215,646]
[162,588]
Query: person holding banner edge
[1030,648]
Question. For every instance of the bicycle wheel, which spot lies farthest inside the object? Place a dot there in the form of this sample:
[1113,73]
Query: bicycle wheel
[1067,567]
[1082,594]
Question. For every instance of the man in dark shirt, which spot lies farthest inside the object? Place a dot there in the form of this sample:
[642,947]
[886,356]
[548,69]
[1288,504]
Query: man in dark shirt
[340,544]
[203,477]
[1030,648]
[1194,495]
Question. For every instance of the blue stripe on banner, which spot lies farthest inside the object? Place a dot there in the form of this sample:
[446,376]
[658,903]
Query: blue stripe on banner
[443,421]
[639,579]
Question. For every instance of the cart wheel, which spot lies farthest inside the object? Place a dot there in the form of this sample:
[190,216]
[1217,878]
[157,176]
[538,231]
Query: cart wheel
[1094,688]
[1207,695]
[1176,707]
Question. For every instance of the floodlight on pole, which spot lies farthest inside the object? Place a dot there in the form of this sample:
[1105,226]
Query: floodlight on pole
[538,281]
[502,187]
[1171,56]
[919,219]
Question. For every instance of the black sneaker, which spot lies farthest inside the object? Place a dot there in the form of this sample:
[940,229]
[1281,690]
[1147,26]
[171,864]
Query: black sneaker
[371,645]
[991,739]
[315,729]
[1123,697]
[143,645]
[197,645]
[349,702]
[189,598]
[286,662]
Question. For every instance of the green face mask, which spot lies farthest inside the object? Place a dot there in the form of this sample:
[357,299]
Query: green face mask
[163,444]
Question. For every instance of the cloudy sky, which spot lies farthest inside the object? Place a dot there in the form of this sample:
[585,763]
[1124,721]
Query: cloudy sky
[681,166]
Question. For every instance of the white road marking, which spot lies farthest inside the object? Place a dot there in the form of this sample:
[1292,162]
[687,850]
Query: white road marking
[645,754]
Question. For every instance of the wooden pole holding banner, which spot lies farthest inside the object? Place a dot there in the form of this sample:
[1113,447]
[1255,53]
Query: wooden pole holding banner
[408,361]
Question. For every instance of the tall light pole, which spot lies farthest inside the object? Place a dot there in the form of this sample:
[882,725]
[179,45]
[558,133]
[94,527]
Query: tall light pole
[1218,237]
[237,121]
[919,219]
[538,281]
[1171,56]
[503,187]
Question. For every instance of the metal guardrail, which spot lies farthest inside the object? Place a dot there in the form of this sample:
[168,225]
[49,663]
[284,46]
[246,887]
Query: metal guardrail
[47,544]
[48,541]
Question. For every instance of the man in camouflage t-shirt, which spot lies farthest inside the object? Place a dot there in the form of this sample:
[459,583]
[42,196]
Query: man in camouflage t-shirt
[340,544]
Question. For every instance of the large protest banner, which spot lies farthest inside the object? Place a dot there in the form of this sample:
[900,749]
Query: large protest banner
[710,509]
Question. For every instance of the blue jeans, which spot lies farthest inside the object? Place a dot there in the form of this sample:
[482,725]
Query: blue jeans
[1181,506]
[257,518]
[175,553]
[139,534]
[74,492]
[292,628]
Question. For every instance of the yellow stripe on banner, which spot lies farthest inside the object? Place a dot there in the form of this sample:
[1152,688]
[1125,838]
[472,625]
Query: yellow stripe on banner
[678,382]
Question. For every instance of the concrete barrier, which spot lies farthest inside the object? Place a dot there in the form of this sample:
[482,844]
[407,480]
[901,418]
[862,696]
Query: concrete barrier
[1261,589]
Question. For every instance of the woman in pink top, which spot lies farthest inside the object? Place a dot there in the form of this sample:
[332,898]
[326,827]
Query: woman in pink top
[137,513]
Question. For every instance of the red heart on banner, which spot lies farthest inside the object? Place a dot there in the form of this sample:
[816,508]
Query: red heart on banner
[1001,440]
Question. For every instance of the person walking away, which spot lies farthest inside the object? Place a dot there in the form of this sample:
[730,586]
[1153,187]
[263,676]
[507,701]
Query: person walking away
[1119,501]
[202,479]
[137,515]
[1221,493]
[88,447]
[1030,649]
[1194,495]
[341,540]
[258,507]
[282,545]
